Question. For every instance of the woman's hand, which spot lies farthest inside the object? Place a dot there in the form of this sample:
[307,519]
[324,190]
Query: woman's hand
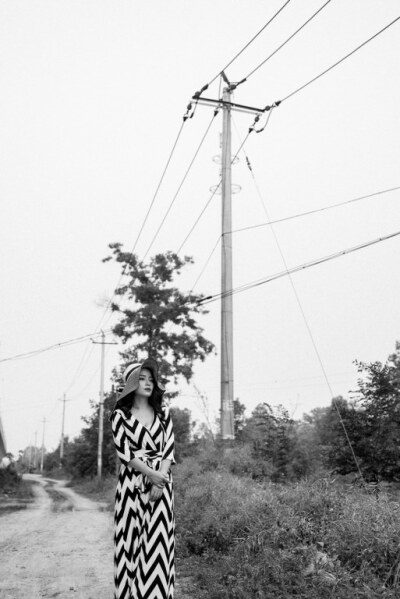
[157,478]
[155,493]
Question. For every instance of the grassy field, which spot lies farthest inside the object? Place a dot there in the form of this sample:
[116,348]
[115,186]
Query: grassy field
[314,539]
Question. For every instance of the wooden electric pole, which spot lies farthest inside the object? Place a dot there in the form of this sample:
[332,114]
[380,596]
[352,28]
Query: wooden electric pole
[42,452]
[35,453]
[227,430]
[64,399]
[103,343]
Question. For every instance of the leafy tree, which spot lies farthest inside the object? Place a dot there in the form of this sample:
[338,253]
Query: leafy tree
[157,316]
[80,454]
[239,419]
[183,426]
[372,422]
[305,456]
[330,439]
[270,432]
[378,395]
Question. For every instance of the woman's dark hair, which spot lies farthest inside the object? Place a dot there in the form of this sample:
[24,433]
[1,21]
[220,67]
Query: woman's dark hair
[155,400]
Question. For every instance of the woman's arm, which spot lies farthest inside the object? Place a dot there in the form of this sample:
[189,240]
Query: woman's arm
[165,466]
[156,477]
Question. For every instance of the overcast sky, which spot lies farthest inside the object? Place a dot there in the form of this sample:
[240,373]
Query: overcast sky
[93,93]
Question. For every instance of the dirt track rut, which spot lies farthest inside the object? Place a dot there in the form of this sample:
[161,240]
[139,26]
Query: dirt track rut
[61,549]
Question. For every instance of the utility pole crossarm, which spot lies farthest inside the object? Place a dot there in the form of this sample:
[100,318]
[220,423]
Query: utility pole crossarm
[240,107]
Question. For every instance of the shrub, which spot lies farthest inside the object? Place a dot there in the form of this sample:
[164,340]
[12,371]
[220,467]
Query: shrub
[312,539]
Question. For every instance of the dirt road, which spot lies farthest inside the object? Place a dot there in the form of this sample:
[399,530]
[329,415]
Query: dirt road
[60,546]
[56,547]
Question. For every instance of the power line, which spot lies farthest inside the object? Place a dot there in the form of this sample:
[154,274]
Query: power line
[251,129]
[86,356]
[296,91]
[50,347]
[80,367]
[308,327]
[308,212]
[246,46]
[158,185]
[287,218]
[245,287]
[206,264]
[285,42]
[182,182]
[148,211]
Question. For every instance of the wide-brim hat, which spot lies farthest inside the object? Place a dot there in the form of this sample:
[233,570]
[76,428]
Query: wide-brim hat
[131,377]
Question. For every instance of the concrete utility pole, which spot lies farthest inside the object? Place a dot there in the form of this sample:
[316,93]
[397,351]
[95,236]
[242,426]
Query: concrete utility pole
[42,452]
[103,343]
[35,453]
[227,430]
[62,431]
[30,456]
[101,409]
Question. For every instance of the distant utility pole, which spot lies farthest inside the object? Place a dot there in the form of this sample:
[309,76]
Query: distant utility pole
[42,452]
[227,392]
[64,400]
[30,456]
[103,343]
[35,453]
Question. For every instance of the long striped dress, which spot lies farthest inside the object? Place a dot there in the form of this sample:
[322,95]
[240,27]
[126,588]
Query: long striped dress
[144,533]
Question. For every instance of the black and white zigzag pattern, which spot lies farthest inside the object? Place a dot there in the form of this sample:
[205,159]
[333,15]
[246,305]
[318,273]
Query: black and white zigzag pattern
[144,538]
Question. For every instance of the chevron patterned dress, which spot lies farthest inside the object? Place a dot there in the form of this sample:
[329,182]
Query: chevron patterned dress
[144,533]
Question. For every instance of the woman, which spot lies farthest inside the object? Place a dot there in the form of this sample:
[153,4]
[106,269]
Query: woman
[144,504]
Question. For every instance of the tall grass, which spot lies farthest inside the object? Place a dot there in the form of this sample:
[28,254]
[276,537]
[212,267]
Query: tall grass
[312,539]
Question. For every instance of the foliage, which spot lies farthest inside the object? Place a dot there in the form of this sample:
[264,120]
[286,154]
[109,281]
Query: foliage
[270,432]
[80,454]
[371,419]
[329,432]
[312,539]
[183,425]
[159,317]
[13,487]
[239,419]
[379,397]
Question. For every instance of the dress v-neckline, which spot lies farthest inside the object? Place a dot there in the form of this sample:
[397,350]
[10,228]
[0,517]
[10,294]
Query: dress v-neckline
[148,428]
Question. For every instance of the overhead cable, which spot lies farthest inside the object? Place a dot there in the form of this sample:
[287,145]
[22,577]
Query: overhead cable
[185,117]
[285,42]
[287,218]
[251,129]
[274,277]
[296,91]
[158,185]
[245,47]
[50,347]
[308,212]
[181,183]
[308,327]
[205,265]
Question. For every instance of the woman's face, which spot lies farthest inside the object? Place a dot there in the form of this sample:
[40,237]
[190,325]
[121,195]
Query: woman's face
[146,383]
